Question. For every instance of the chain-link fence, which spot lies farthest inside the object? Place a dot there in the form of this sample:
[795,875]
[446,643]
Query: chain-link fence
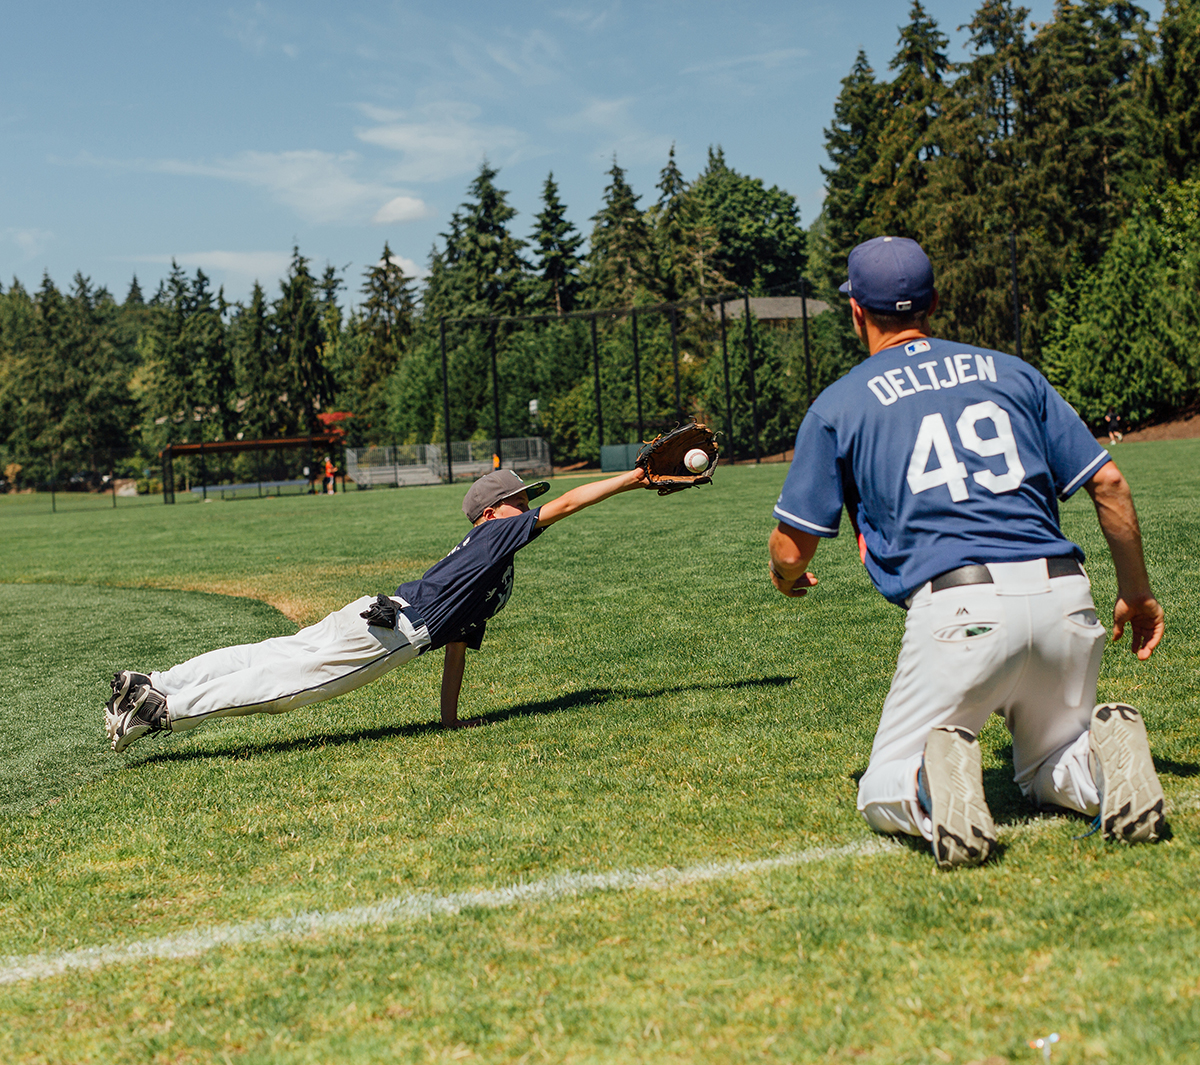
[403,464]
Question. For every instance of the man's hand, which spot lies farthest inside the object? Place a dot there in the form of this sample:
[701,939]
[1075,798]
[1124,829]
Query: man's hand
[792,588]
[1145,618]
[789,551]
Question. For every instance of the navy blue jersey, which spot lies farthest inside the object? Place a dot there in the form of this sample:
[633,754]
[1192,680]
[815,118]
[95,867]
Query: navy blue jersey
[456,596]
[942,455]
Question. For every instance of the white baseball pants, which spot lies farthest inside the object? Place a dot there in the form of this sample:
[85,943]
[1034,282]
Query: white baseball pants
[332,657]
[1026,647]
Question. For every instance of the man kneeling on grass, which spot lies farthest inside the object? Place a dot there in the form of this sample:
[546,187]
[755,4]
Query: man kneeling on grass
[448,607]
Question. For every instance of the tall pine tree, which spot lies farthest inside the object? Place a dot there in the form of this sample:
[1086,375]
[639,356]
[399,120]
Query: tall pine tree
[906,147]
[620,258]
[852,143]
[1175,89]
[557,244]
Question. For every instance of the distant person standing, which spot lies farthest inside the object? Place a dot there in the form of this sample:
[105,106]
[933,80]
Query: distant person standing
[330,473]
[1112,422]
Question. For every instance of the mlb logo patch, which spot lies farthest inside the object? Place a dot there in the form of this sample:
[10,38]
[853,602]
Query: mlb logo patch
[917,347]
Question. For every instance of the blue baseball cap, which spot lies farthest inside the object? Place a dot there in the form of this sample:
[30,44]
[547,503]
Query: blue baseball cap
[890,274]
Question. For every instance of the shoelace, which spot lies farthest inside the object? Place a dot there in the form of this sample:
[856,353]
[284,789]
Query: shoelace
[1094,829]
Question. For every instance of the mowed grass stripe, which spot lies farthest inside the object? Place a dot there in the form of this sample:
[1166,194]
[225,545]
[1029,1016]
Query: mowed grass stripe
[422,906]
[415,907]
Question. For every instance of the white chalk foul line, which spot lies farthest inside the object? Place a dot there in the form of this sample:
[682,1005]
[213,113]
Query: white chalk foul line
[410,908]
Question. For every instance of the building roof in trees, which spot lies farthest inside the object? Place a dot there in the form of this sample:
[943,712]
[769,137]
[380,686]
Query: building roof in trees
[773,308]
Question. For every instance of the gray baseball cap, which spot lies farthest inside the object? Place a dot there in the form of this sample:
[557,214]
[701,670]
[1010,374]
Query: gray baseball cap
[493,488]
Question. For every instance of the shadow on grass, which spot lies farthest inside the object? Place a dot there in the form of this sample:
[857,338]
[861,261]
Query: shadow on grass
[570,701]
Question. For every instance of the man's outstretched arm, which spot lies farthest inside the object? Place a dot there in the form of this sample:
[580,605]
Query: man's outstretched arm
[790,552]
[1135,604]
[588,494]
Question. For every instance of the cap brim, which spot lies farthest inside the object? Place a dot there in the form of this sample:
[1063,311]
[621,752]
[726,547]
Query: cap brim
[531,490]
[844,288]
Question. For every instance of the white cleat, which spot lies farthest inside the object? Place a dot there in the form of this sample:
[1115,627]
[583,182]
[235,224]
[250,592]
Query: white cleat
[952,772]
[1131,798]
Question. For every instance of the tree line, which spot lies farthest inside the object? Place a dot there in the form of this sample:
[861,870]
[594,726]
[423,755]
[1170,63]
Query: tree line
[1064,152]
[1068,150]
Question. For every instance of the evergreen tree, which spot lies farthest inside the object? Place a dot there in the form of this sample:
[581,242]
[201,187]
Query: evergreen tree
[1123,335]
[300,338]
[914,100]
[1089,144]
[259,378]
[621,253]
[679,238]
[1175,89]
[852,143]
[557,243]
[483,255]
[383,326]
[978,191]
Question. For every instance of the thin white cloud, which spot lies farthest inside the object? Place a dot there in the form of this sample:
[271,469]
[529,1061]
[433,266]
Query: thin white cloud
[32,242]
[768,60]
[618,131]
[256,28]
[401,209]
[535,58]
[238,268]
[321,187]
[586,18]
[439,141]
[410,268]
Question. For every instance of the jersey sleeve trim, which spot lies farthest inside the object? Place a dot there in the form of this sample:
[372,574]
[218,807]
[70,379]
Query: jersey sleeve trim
[792,519]
[1070,488]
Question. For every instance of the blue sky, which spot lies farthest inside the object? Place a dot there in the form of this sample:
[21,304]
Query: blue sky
[221,135]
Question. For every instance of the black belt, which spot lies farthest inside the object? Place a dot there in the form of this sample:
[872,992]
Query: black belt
[410,612]
[976,574]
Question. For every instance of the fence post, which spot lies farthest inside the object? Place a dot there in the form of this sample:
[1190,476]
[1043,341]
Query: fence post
[168,475]
[637,374]
[446,405]
[675,356]
[112,477]
[728,391]
[807,352]
[1012,252]
[596,371]
[53,478]
[496,398]
[750,358]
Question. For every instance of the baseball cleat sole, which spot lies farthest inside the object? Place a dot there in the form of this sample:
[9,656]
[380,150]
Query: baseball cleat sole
[126,681]
[128,720]
[1131,798]
[963,831]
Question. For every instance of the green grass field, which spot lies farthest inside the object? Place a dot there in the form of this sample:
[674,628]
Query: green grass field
[650,704]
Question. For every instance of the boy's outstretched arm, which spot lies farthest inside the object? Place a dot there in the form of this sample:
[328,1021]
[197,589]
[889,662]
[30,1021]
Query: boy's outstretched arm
[587,494]
[452,676]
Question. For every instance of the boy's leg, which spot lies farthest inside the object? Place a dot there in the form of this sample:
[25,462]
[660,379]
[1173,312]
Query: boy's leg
[334,656]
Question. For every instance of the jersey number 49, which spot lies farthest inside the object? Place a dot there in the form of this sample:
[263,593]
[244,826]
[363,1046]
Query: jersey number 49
[933,436]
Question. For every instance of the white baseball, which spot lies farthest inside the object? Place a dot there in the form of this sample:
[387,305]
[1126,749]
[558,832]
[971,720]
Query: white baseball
[696,460]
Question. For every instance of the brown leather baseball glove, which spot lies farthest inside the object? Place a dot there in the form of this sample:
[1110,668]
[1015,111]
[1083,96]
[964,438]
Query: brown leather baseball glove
[662,458]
